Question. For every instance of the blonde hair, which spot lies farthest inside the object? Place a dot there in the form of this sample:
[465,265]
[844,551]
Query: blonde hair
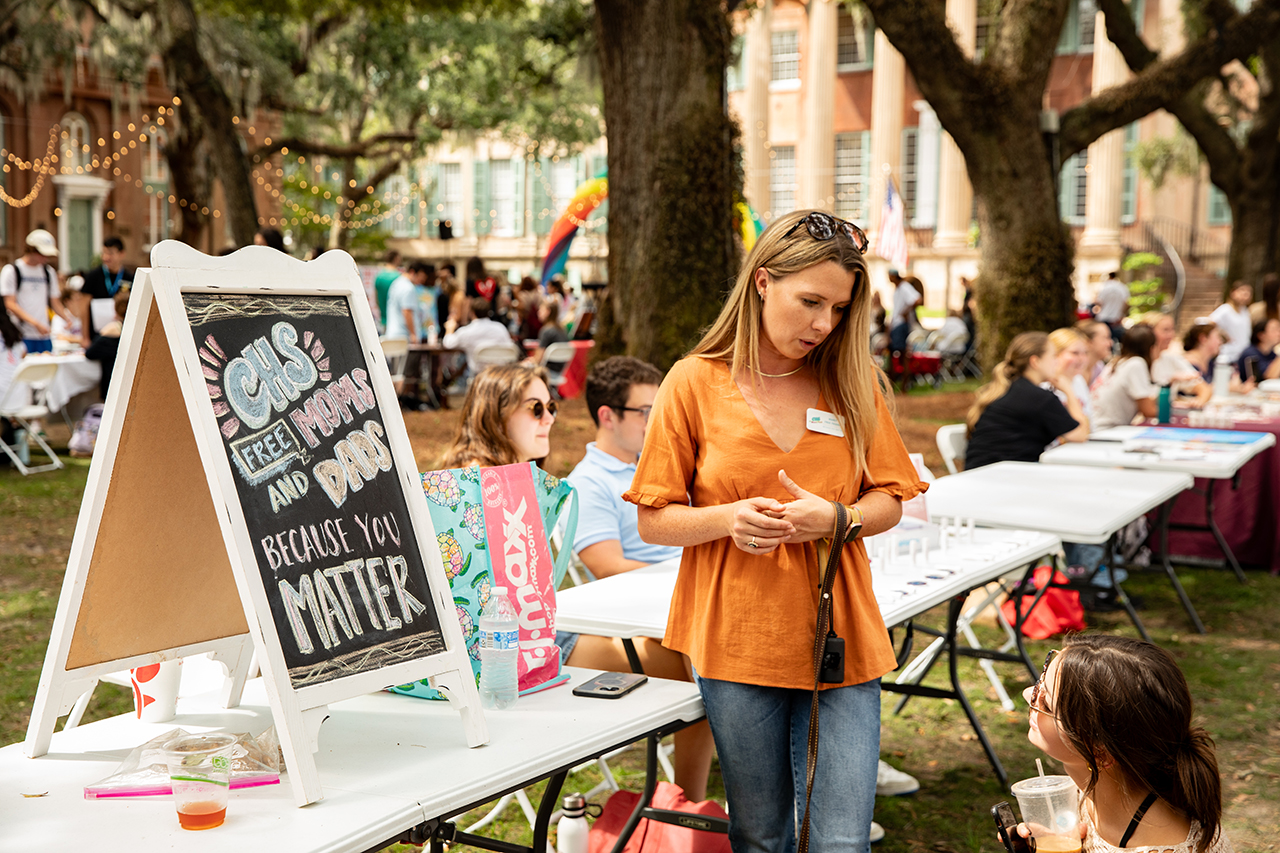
[1017,358]
[846,374]
[495,393]
[1063,338]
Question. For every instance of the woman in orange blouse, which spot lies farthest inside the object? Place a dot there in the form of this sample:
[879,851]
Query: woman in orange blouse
[774,415]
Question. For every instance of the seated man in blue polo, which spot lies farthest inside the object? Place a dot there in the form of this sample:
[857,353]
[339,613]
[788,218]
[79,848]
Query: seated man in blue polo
[620,394]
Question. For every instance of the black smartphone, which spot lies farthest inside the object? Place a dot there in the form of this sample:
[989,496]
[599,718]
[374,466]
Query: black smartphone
[1251,370]
[1007,827]
[610,685]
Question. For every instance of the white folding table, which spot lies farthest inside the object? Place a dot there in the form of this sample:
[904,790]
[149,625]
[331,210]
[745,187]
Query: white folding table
[393,768]
[636,603]
[1219,458]
[1077,504]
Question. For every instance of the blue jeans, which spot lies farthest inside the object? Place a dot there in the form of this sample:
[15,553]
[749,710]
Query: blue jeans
[898,337]
[761,736]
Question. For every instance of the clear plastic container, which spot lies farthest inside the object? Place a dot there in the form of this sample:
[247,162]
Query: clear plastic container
[499,651]
[200,772]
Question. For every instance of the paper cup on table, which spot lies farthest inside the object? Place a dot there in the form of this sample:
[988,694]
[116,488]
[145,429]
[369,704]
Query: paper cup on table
[155,690]
[200,772]
[1050,809]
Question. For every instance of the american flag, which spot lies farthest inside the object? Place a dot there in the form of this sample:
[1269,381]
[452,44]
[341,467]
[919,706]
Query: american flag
[891,244]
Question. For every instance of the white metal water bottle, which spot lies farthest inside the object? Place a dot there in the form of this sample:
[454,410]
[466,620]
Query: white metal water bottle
[571,832]
[499,651]
[1222,378]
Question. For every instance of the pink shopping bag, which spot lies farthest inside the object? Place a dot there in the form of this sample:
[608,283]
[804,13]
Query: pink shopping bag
[522,563]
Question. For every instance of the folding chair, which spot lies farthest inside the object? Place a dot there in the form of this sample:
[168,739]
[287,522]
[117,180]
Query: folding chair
[952,443]
[559,354]
[952,348]
[496,354]
[396,351]
[29,383]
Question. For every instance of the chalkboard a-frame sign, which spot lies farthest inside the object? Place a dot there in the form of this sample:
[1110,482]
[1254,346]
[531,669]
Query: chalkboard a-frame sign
[253,480]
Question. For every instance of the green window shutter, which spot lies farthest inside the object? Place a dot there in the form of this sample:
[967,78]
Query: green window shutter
[864,209]
[1219,207]
[481,203]
[543,216]
[600,167]
[1129,183]
[435,200]
[517,175]
[1067,190]
[1069,41]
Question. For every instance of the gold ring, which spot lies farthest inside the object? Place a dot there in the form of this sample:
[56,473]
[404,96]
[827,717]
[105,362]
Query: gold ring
[752,543]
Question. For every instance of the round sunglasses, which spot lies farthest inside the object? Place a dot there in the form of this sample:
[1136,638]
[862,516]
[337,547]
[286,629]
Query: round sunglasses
[537,407]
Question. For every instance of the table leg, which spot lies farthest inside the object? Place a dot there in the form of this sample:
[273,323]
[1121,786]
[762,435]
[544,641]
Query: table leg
[1217,534]
[632,658]
[953,615]
[550,801]
[1109,560]
[1166,510]
[644,810]
[955,691]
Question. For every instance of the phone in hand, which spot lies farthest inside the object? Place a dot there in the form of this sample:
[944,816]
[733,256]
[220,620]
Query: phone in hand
[610,685]
[1251,369]
[1007,827]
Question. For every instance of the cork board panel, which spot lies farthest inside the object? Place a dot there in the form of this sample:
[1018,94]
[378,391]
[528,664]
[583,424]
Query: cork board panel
[159,576]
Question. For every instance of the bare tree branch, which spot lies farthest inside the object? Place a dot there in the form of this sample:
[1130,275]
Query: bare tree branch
[1164,82]
[362,148]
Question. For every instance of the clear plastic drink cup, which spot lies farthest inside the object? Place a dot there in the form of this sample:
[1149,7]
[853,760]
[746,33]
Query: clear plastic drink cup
[1050,809]
[200,772]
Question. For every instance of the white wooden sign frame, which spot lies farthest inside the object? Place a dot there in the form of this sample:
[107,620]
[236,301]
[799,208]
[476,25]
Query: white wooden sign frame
[156,308]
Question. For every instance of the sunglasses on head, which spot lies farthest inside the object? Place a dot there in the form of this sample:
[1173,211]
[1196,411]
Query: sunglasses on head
[824,226]
[537,407]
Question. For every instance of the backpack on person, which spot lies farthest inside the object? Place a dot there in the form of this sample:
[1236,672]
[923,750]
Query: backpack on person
[85,435]
[18,280]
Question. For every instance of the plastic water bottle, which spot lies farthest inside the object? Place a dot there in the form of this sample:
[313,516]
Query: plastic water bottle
[571,832]
[499,651]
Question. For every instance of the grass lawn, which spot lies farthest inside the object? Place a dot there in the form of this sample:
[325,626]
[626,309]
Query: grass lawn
[1234,670]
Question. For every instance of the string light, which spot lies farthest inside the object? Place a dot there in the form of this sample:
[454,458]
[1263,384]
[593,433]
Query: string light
[144,129]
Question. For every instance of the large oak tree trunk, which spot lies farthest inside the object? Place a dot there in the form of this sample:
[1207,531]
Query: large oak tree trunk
[191,181]
[196,84]
[1255,202]
[1026,251]
[671,176]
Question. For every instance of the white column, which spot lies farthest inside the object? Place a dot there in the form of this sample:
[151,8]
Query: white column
[955,196]
[755,131]
[887,81]
[64,227]
[818,163]
[928,139]
[1106,155]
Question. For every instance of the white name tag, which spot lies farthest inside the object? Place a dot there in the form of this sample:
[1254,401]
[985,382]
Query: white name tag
[824,422]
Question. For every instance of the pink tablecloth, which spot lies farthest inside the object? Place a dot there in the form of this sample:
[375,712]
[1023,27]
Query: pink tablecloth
[1248,515]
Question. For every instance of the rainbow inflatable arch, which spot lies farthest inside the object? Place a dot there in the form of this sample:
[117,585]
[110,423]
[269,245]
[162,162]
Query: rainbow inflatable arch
[589,197]
[584,202]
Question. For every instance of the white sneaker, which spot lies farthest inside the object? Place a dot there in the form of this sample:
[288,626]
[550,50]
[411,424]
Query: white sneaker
[893,783]
[877,832]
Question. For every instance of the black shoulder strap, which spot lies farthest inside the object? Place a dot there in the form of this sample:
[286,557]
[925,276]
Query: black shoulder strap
[1137,818]
[17,277]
